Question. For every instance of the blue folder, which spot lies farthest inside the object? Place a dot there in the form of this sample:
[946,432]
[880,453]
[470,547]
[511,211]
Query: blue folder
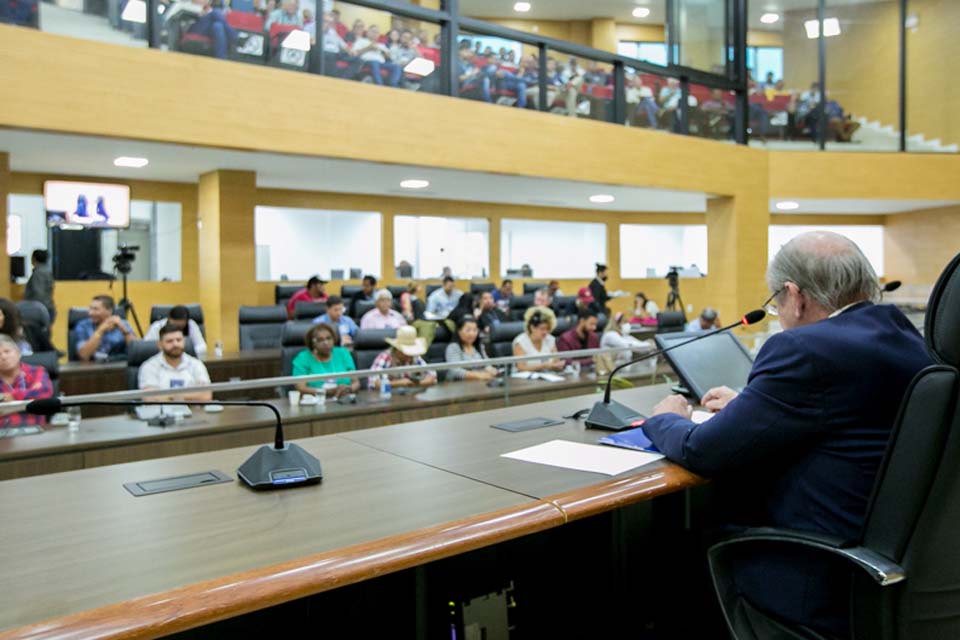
[632,439]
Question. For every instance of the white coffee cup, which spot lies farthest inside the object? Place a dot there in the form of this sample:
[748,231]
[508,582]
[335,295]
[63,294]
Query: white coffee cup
[294,397]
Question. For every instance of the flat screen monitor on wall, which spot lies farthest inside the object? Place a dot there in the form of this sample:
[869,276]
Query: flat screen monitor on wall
[87,204]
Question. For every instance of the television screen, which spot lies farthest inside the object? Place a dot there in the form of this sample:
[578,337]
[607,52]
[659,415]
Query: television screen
[87,204]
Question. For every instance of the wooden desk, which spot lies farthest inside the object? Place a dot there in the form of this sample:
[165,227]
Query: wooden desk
[160,564]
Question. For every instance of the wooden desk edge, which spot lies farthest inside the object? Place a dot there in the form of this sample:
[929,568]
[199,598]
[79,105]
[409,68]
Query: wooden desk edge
[207,602]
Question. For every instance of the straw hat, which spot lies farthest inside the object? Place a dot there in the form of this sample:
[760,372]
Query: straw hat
[545,312]
[407,342]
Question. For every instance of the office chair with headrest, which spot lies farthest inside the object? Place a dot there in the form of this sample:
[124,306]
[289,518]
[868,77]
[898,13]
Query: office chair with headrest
[308,310]
[194,312]
[139,351]
[476,288]
[283,292]
[260,327]
[49,360]
[905,569]
[671,321]
[292,338]
[533,287]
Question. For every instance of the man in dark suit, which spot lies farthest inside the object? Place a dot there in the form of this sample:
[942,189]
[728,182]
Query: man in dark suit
[599,289]
[800,446]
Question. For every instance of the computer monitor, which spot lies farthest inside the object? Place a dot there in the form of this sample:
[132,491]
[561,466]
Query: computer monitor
[18,267]
[86,204]
[715,361]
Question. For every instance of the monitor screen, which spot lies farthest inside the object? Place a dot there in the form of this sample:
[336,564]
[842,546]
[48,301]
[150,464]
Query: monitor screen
[87,204]
[719,360]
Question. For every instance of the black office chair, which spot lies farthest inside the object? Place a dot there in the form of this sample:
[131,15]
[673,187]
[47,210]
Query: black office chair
[532,287]
[363,306]
[34,312]
[476,288]
[501,338]
[308,310]
[671,321]
[139,351]
[283,292]
[292,343]
[367,344]
[49,360]
[430,288]
[519,305]
[563,325]
[194,311]
[260,327]
[564,305]
[437,352]
[396,291]
[905,567]
[74,316]
[347,291]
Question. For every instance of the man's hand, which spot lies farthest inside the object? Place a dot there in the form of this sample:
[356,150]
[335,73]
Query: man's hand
[673,404]
[717,398]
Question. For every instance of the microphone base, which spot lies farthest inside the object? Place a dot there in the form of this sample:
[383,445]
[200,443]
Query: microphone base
[613,416]
[271,468]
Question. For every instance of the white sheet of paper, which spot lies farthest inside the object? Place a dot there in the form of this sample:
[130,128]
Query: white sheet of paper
[584,457]
[549,377]
[700,417]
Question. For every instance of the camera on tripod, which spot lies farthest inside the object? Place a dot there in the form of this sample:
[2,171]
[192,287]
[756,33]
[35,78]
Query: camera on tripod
[124,257]
[673,298]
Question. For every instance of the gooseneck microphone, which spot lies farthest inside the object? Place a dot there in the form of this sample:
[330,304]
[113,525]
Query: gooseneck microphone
[614,416]
[283,464]
[891,286]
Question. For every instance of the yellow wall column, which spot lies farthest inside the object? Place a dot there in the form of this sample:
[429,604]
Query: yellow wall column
[227,251]
[4,192]
[603,34]
[388,260]
[737,253]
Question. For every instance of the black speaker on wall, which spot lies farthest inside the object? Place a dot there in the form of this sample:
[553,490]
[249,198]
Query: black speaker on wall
[76,254]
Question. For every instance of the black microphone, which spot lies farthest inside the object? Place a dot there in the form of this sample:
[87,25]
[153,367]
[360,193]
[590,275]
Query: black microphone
[283,464]
[614,416]
[891,286]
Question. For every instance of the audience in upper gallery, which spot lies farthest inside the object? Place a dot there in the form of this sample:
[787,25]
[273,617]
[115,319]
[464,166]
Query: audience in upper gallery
[335,48]
[374,53]
[103,335]
[617,335]
[599,289]
[503,295]
[490,314]
[582,336]
[442,301]
[641,102]
[40,284]
[382,316]
[406,350]
[411,306]
[538,323]
[313,292]
[179,317]
[357,31]
[466,348]
[20,381]
[367,288]
[402,51]
[708,320]
[11,326]
[346,326]
[644,310]
[338,25]
[173,368]
[288,13]
[212,23]
[324,355]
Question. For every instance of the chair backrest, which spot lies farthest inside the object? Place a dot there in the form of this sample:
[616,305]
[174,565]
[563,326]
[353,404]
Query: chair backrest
[260,327]
[914,512]
[671,321]
[501,338]
[437,352]
[362,307]
[74,315]
[291,343]
[308,310]
[563,325]
[283,292]
[139,351]
[34,312]
[531,287]
[396,291]
[430,288]
[565,305]
[347,291]
[49,360]
[519,305]
[477,288]
[368,343]
[194,311]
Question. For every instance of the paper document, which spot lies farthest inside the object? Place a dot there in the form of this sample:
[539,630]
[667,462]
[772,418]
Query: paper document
[584,457]
[700,417]
[537,375]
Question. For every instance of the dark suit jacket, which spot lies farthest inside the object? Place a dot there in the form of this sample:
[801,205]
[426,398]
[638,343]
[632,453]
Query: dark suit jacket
[599,291]
[801,446]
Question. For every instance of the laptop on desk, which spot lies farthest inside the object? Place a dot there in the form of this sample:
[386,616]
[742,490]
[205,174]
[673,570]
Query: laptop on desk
[719,360]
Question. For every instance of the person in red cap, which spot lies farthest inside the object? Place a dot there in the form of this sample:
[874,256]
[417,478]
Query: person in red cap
[585,300]
[313,292]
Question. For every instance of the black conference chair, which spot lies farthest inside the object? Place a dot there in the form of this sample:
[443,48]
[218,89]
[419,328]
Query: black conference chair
[905,569]
[194,310]
[49,360]
[430,288]
[519,305]
[283,292]
[292,343]
[35,320]
[347,291]
[308,310]
[74,316]
[139,351]
[501,338]
[476,288]
[564,305]
[362,307]
[563,324]
[260,327]
[532,287]
[437,352]
[396,291]
[367,345]
[671,321]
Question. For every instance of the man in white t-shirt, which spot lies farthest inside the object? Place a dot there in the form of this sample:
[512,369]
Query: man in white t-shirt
[179,316]
[173,369]
[374,53]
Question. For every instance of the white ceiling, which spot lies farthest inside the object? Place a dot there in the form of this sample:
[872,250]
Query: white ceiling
[847,206]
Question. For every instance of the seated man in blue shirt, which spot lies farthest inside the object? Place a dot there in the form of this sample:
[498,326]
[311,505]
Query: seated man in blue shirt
[801,445]
[103,335]
[442,301]
[336,317]
[708,320]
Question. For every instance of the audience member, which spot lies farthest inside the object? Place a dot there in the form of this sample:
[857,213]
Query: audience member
[640,101]
[572,76]
[103,335]
[503,295]
[341,28]
[335,316]
[644,310]
[11,326]
[172,368]
[490,314]
[553,289]
[288,14]
[442,301]
[40,284]
[335,49]
[582,336]
[179,317]
[585,300]
[536,339]
[411,306]
[374,53]
[403,52]
[466,348]
[20,381]
[406,350]
[466,308]
[367,287]
[617,335]
[382,316]
[708,320]
[212,23]
[324,355]
[599,289]
[541,298]
[313,292]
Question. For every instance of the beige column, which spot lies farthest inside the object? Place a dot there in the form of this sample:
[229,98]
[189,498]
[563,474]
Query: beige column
[227,274]
[737,229]
[4,192]
[603,34]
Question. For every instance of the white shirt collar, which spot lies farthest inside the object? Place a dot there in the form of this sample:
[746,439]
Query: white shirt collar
[842,309]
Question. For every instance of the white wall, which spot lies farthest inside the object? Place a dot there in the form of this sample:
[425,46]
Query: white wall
[659,246]
[553,249]
[430,243]
[166,239]
[868,237]
[304,242]
[33,224]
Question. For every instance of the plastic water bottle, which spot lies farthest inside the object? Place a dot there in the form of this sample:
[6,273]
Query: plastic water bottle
[385,392]
[218,349]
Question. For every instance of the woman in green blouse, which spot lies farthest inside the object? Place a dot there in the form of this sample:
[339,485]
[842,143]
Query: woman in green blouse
[324,356]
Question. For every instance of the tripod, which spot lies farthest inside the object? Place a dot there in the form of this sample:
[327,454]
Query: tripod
[126,305]
[673,298]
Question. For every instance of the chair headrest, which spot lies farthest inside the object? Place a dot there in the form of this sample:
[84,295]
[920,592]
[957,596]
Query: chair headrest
[347,291]
[34,311]
[480,287]
[139,351]
[49,360]
[942,324]
[531,287]
[294,332]
[75,315]
[263,315]
[161,311]
[507,331]
[368,339]
[309,310]
[521,302]
[671,318]
[286,290]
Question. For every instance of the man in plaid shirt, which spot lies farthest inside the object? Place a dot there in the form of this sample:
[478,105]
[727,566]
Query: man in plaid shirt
[406,350]
[20,382]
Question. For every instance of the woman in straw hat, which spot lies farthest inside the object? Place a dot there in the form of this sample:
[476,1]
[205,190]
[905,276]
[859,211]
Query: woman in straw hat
[538,324]
[406,350]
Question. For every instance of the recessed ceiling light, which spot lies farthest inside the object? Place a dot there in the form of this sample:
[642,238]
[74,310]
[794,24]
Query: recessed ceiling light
[521,7]
[769,18]
[641,12]
[602,198]
[831,27]
[787,205]
[414,184]
[128,161]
